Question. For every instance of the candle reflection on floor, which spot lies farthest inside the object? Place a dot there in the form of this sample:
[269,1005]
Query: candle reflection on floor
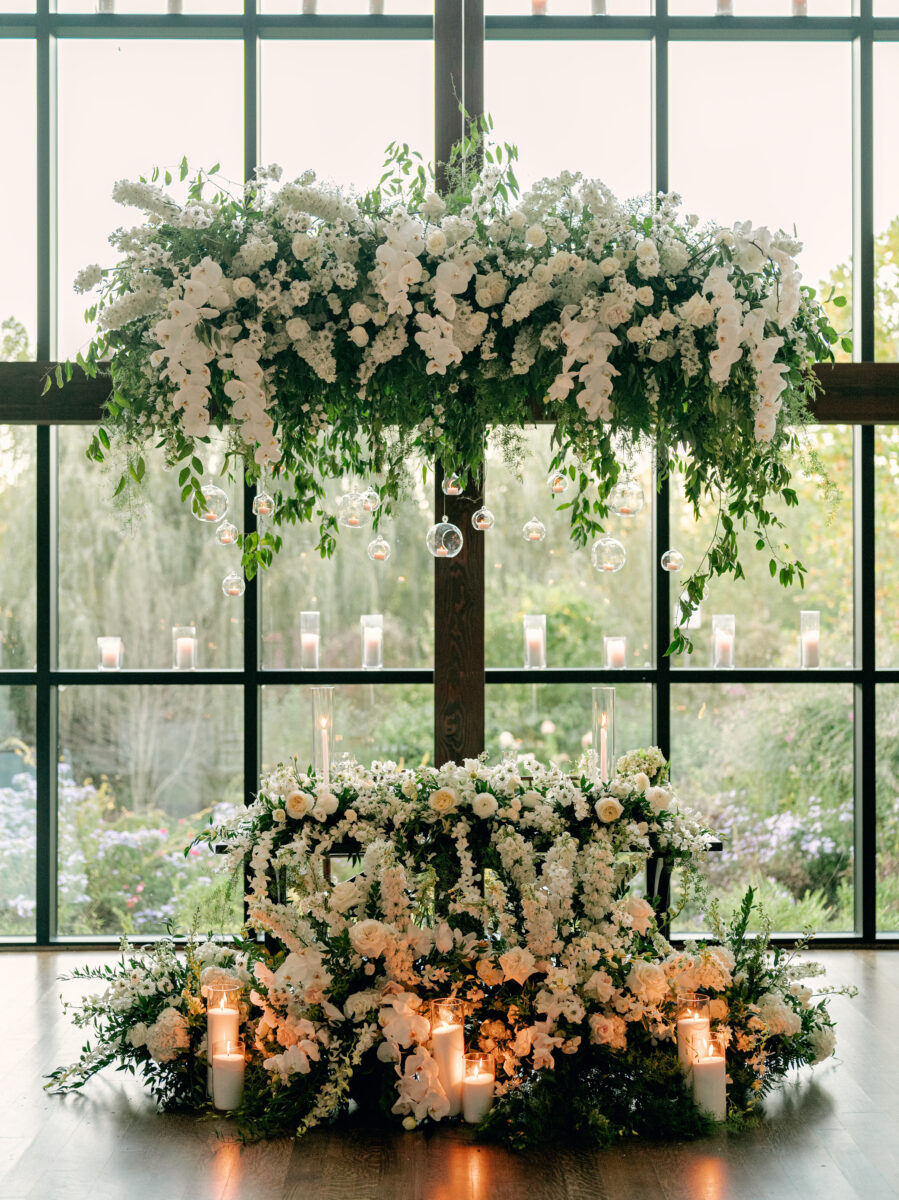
[707,1178]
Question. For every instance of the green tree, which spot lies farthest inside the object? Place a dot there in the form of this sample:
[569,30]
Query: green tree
[886,296]
[15,345]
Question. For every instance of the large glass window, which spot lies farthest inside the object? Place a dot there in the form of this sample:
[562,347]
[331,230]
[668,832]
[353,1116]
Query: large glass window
[18,229]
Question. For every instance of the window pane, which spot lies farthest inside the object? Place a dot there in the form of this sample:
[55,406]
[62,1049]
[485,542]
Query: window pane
[886,460]
[159,7]
[565,8]
[783,181]
[886,201]
[141,770]
[819,533]
[584,73]
[18,446]
[557,578]
[17,812]
[136,575]
[554,721]
[770,769]
[386,94]
[147,125]
[761,8]
[888,809]
[18,229]
[343,587]
[391,8]
[370,722]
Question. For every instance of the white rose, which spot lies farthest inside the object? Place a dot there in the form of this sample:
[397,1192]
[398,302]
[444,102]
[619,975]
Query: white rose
[823,1042]
[437,242]
[368,938]
[658,351]
[531,799]
[659,799]
[409,788]
[359,336]
[536,236]
[279,815]
[646,249]
[298,804]
[137,1035]
[518,964]
[359,313]
[302,245]
[243,287]
[641,913]
[600,985]
[645,295]
[609,266]
[718,1009]
[608,809]
[325,804]
[647,981]
[297,329]
[434,206]
[344,895]
[641,781]
[484,805]
[516,220]
[444,800]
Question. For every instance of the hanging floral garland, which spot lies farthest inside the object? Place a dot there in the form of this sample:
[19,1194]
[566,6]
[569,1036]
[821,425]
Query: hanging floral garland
[328,334]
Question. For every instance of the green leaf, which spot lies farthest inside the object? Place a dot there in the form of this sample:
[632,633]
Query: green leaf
[839,301]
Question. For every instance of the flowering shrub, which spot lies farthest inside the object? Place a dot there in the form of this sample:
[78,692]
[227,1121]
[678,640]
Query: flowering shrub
[327,334]
[515,896]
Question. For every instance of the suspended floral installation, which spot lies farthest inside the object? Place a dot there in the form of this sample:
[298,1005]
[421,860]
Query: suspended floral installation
[486,911]
[331,335]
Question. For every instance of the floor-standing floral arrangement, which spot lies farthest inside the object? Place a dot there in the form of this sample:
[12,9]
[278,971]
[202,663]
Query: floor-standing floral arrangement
[514,898]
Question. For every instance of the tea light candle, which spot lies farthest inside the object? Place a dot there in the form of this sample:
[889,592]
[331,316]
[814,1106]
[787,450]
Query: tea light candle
[448,1049]
[616,652]
[709,1078]
[477,1087]
[227,1076]
[809,639]
[441,552]
[110,653]
[533,535]
[723,633]
[226,537]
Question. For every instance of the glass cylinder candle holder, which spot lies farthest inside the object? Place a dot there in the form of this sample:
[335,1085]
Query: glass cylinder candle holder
[598,8]
[310,637]
[604,731]
[708,1075]
[105,6]
[376,8]
[110,652]
[310,6]
[723,633]
[175,7]
[322,732]
[809,639]
[477,1087]
[184,647]
[228,1066]
[448,1048]
[535,641]
[725,8]
[693,1027]
[694,621]
[615,652]
[372,626]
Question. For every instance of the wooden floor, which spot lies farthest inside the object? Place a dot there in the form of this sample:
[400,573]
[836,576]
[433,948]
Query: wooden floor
[832,1133]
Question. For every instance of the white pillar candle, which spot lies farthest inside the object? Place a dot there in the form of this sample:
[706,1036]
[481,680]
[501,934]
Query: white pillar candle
[326,757]
[616,652]
[448,1048]
[725,8]
[709,1076]
[809,639]
[693,1035]
[477,1096]
[538,8]
[599,8]
[376,7]
[535,641]
[604,751]
[110,653]
[227,1077]
[723,637]
[309,650]
[222,1024]
[810,643]
[372,641]
[176,6]
[184,653]
[800,8]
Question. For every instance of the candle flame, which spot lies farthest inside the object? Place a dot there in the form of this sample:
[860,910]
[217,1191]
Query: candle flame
[603,720]
[222,1001]
[323,721]
[228,1049]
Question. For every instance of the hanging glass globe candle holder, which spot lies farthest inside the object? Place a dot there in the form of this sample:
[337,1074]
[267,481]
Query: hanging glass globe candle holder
[533,530]
[351,511]
[444,539]
[626,497]
[263,504]
[452,485]
[379,549]
[483,519]
[226,534]
[215,504]
[608,554]
[371,501]
[558,483]
[672,560]
[233,585]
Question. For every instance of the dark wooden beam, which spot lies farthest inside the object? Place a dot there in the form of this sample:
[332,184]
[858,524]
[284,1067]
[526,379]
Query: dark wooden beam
[853,394]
